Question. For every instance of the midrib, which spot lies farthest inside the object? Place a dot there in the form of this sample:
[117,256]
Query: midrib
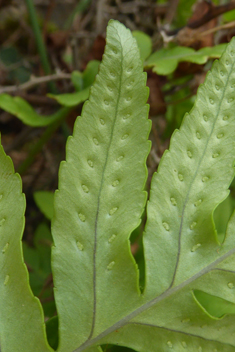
[194,177]
[154,301]
[171,290]
[98,202]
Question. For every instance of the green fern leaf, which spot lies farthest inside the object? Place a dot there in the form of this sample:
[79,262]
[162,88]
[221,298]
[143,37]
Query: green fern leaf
[185,189]
[101,198]
[166,60]
[24,111]
[184,260]
[21,317]
[188,302]
[186,266]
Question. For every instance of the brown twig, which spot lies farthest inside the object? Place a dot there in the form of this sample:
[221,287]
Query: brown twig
[212,13]
[215,29]
[34,81]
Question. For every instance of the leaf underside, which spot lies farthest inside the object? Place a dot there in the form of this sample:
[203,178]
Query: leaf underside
[25,112]
[101,185]
[100,201]
[166,60]
[182,252]
[21,322]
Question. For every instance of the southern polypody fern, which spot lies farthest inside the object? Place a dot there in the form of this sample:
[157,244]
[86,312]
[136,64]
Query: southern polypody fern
[188,299]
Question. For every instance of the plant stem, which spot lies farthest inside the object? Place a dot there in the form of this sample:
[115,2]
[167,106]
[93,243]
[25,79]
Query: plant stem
[81,6]
[44,138]
[42,53]
[40,43]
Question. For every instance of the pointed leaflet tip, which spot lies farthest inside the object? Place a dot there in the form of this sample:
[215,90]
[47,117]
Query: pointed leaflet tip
[101,197]
[187,257]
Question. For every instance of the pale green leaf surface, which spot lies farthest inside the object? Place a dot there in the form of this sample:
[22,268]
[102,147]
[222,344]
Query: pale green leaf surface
[90,73]
[21,322]
[189,300]
[215,306]
[222,215]
[213,52]
[144,43]
[24,111]
[77,80]
[94,349]
[101,198]
[147,337]
[71,99]
[176,320]
[165,61]
[199,161]
[182,253]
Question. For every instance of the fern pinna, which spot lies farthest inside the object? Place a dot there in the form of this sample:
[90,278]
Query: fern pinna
[188,299]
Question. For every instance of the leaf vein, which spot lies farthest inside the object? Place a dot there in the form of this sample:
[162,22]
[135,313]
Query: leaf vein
[98,204]
[194,177]
[154,301]
[178,331]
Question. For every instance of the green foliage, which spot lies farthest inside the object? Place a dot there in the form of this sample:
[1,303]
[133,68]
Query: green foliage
[144,43]
[184,11]
[222,215]
[178,103]
[116,125]
[38,261]
[188,301]
[166,60]
[229,16]
[45,202]
[163,62]
[82,83]
[25,112]
[21,323]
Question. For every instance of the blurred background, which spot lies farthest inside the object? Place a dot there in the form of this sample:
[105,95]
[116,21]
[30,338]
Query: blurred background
[50,52]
